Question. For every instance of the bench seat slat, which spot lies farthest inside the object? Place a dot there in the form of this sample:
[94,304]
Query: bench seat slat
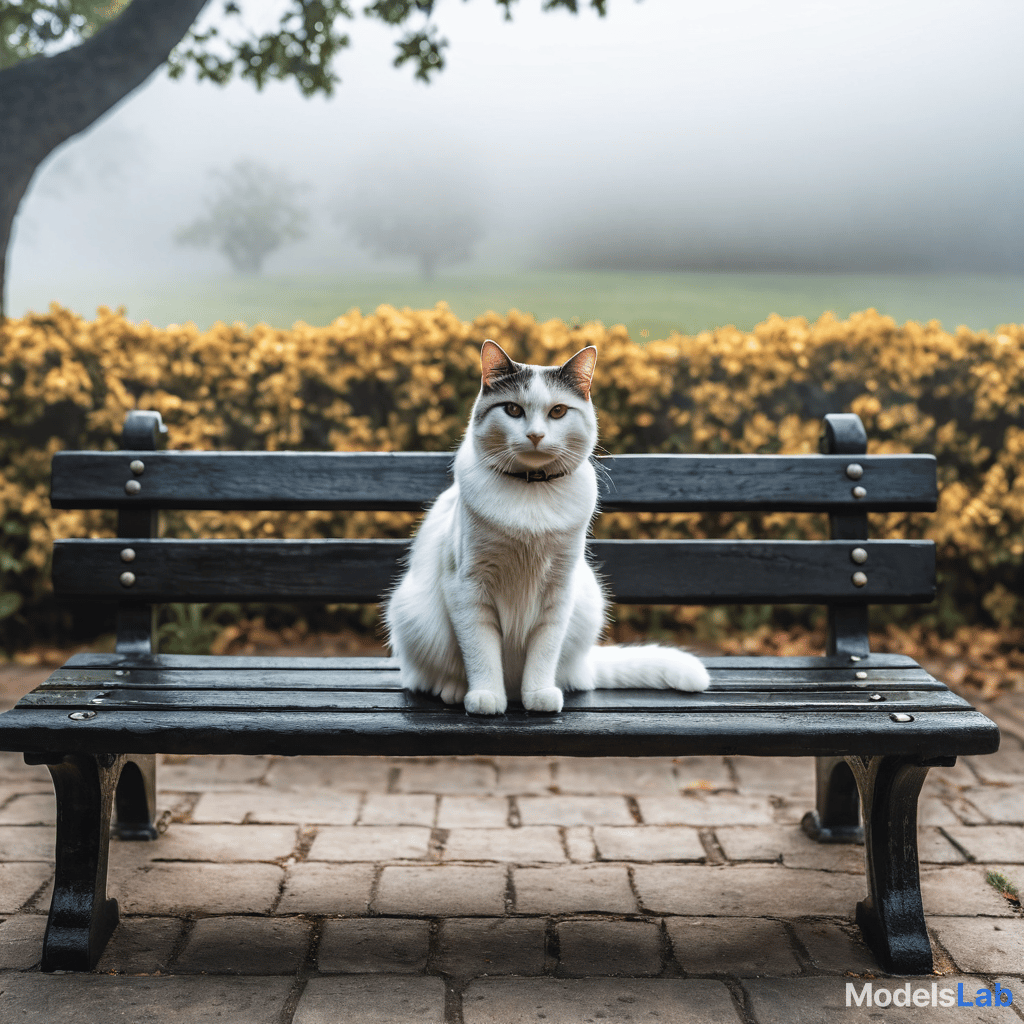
[113,660]
[283,663]
[322,699]
[369,678]
[581,733]
[636,571]
[412,480]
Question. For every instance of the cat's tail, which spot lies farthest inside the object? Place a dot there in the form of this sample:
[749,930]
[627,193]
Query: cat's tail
[647,666]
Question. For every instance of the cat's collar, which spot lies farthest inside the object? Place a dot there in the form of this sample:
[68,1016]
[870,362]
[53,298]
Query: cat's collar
[538,475]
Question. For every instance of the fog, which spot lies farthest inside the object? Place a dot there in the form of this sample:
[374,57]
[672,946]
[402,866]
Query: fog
[671,135]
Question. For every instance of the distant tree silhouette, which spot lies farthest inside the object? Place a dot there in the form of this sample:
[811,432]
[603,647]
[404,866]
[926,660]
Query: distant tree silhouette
[421,215]
[251,214]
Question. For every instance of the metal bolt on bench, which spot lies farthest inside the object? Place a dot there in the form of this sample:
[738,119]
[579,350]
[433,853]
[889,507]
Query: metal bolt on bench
[875,722]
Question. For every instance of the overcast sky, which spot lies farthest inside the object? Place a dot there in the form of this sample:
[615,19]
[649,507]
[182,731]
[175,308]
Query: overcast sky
[747,132]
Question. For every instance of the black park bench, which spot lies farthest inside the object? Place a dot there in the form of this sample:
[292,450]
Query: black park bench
[875,722]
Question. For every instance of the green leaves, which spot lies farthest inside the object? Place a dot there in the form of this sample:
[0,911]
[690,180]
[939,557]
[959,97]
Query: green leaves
[424,49]
[1003,886]
[304,46]
[31,27]
[189,631]
[394,12]
[307,40]
[9,603]
[601,6]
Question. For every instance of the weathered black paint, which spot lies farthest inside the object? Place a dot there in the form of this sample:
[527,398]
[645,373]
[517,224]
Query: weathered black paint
[447,731]
[635,571]
[847,627]
[383,481]
[844,708]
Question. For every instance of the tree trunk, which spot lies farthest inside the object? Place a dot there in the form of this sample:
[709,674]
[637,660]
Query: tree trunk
[428,263]
[46,100]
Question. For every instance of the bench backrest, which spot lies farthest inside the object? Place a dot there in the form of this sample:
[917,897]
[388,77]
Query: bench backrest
[843,482]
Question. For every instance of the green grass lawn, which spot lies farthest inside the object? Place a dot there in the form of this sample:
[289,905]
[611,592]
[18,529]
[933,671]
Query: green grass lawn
[656,303]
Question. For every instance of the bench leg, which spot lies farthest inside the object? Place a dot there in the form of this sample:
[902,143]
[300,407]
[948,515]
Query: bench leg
[891,918]
[836,818]
[82,919]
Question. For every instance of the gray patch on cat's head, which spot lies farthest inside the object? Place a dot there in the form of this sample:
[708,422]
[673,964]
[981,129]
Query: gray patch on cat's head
[515,381]
[509,387]
[503,376]
[566,380]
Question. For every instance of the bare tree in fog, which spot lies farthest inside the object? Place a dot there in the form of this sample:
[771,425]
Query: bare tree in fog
[425,215]
[46,97]
[251,213]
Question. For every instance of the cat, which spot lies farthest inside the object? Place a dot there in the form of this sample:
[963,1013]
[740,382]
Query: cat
[498,600]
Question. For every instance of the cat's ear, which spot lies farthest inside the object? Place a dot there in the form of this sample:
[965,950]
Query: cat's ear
[579,370]
[494,363]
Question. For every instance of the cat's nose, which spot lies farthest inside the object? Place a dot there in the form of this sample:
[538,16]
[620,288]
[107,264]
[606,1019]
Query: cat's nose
[536,439]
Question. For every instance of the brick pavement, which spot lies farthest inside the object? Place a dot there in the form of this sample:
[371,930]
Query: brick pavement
[500,890]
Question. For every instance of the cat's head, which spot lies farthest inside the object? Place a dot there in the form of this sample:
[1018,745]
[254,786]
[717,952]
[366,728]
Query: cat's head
[534,417]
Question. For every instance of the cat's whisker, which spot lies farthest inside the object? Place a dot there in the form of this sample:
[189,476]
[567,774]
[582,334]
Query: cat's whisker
[509,462]
[604,473]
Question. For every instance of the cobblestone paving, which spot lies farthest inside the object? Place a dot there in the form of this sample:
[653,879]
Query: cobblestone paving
[504,890]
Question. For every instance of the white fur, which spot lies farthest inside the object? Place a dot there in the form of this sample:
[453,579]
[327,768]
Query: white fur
[498,599]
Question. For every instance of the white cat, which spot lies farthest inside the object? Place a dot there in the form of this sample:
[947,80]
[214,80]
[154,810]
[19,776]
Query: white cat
[499,600]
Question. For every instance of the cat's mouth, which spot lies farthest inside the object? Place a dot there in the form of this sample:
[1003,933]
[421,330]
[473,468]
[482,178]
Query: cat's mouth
[535,459]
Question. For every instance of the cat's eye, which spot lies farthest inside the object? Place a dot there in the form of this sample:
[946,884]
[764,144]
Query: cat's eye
[515,411]
[558,411]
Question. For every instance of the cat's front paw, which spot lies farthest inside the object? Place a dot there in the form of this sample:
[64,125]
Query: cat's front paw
[451,691]
[485,702]
[548,699]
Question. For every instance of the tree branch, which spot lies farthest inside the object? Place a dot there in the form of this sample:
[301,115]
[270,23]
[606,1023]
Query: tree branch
[46,100]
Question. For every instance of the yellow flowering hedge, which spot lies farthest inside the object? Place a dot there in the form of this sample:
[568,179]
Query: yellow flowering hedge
[405,379]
